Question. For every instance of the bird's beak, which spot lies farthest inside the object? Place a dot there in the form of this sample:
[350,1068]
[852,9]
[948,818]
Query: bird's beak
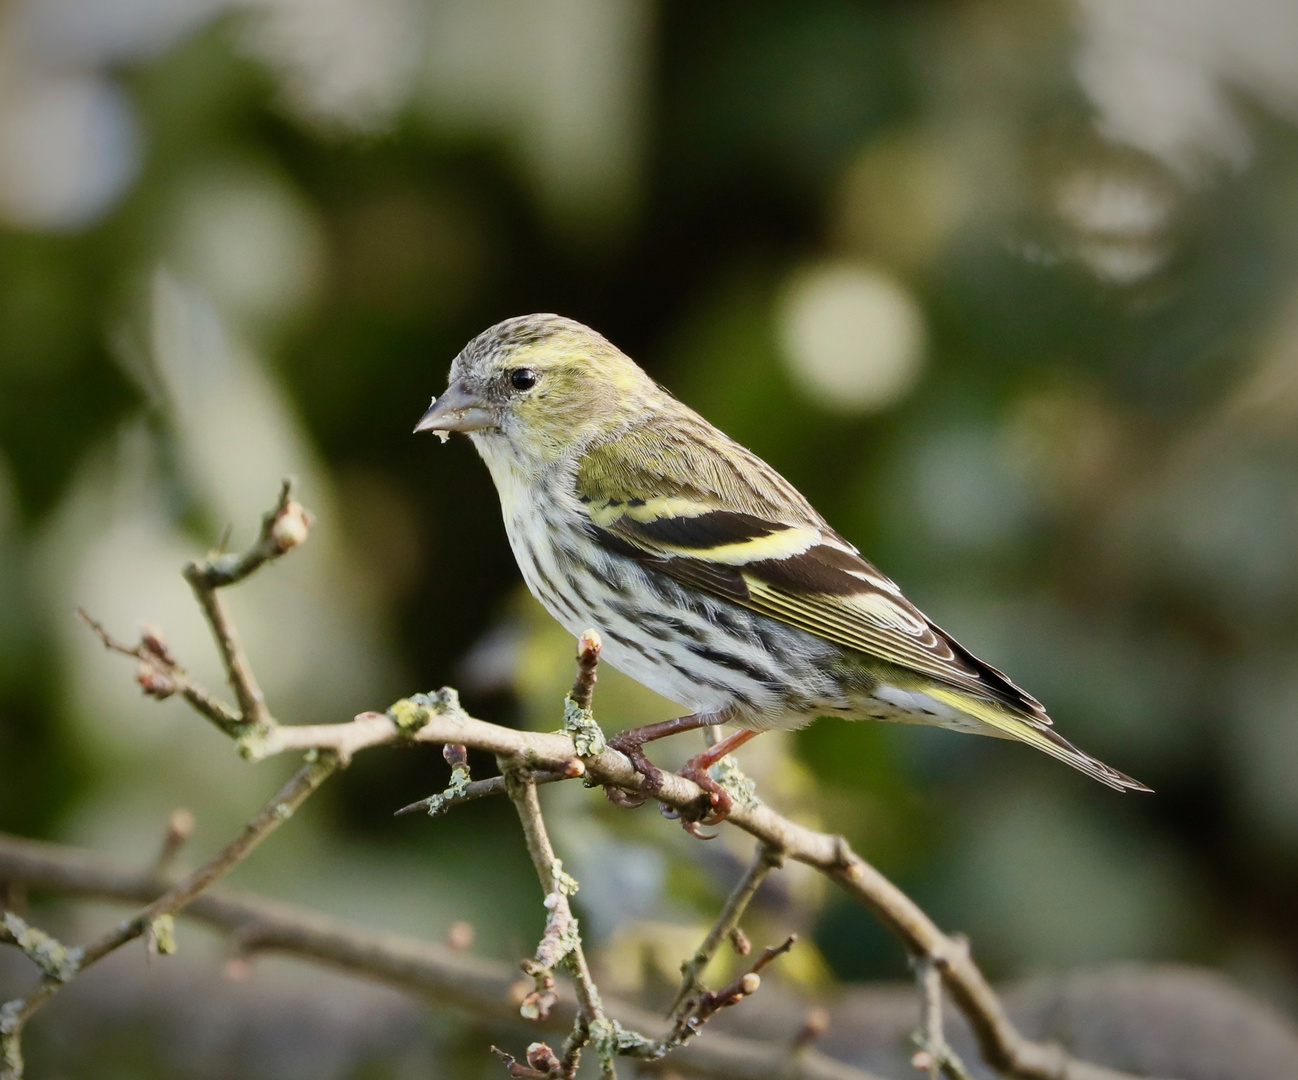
[456,410]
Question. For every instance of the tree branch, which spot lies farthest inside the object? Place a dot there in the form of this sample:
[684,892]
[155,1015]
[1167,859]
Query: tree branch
[282,529]
[159,675]
[766,860]
[561,942]
[446,976]
[580,749]
[439,719]
[935,1055]
[15,1014]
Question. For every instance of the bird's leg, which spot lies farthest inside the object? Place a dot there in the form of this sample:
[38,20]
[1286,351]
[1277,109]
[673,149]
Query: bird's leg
[697,767]
[631,742]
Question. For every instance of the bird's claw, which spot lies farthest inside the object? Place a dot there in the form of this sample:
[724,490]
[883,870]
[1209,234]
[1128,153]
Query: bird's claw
[689,824]
[713,808]
[718,805]
[625,799]
[692,827]
[625,743]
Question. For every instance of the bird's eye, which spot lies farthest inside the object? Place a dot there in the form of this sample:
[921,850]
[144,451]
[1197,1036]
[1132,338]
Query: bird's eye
[522,378]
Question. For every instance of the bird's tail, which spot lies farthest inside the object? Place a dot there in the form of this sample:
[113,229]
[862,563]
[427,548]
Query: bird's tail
[1035,733]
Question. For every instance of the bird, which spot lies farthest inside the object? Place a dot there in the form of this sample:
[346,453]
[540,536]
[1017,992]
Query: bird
[709,577]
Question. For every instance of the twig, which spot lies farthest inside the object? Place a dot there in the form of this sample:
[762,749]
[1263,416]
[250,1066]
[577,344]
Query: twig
[444,975]
[578,722]
[561,942]
[15,1014]
[583,686]
[282,529]
[1003,1047]
[296,790]
[934,1055]
[700,1010]
[481,789]
[160,676]
[528,1072]
[766,860]
[579,750]
[180,827]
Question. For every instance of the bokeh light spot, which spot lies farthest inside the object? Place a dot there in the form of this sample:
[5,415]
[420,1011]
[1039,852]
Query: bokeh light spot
[68,148]
[251,242]
[852,335]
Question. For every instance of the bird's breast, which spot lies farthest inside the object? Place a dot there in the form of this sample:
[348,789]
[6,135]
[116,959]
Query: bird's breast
[706,654]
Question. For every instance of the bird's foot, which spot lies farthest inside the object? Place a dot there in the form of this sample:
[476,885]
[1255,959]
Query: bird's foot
[632,745]
[716,803]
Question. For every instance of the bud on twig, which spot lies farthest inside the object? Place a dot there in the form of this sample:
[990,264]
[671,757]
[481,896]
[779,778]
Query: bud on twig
[291,528]
[537,1005]
[180,827]
[813,1027]
[154,680]
[542,1058]
[153,643]
[460,936]
[589,645]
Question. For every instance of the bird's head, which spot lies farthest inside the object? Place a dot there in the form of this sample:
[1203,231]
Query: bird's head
[539,387]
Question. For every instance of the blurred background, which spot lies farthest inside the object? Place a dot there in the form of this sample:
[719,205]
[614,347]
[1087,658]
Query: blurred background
[1009,289]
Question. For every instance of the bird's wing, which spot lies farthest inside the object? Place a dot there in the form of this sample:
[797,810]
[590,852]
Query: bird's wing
[712,515]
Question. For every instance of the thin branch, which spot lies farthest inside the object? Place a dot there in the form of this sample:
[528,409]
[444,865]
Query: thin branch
[934,1055]
[282,805]
[442,721]
[481,789]
[1004,1048]
[580,750]
[282,529]
[689,1021]
[740,987]
[583,685]
[160,676]
[444,975]
[766,860]
[15,1014]
[561,942]
[285,526]
[180,827]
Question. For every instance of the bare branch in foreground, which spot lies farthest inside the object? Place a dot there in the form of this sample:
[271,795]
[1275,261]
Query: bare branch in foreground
[580,749]
[560,944]
[285,527]
[934,1055]
[160,676]
[727,924]
[15,1014]
[442,720]
[446,976]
